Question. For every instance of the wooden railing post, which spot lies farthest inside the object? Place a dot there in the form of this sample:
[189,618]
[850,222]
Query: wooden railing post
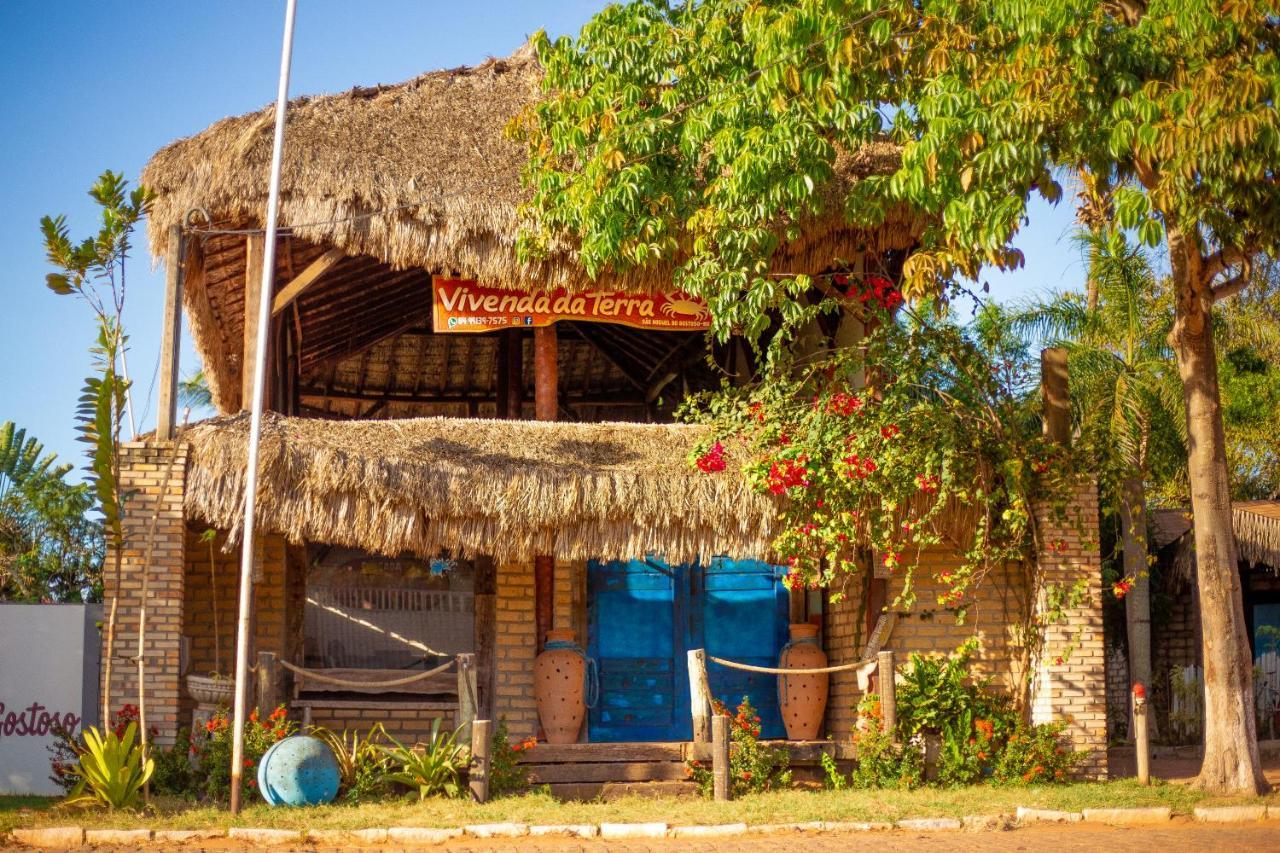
[466,694]
[481,734]
[699,696]
[170,337]
[888,690]
[721,784]
[269,693]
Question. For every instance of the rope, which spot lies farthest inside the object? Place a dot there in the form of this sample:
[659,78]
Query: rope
[355,685]
[773,670]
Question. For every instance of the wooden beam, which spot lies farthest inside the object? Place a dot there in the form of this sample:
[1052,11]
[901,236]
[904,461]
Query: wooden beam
[305,279]
[255,245]
[594,398]
[546,368]
[515,373]
[171,335]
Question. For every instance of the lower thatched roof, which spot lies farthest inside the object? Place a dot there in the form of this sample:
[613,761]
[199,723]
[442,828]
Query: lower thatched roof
[511,489]
[1257,530]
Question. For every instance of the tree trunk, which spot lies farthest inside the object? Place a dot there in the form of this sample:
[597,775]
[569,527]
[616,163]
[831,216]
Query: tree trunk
[1231,761]
[1137,602]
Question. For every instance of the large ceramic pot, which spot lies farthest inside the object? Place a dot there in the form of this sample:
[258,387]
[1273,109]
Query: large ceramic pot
[559,685]
[802,699]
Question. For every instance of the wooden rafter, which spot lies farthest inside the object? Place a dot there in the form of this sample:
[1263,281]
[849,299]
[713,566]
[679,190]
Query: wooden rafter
[305,279]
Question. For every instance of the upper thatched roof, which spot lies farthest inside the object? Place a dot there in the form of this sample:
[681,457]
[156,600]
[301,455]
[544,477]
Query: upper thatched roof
[433,151]
[512,489]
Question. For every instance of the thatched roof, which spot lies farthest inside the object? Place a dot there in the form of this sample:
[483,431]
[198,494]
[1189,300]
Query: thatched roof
[512,489]
[406,180]
[1257,530]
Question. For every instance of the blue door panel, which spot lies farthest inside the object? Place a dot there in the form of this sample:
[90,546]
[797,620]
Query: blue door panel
[644,617]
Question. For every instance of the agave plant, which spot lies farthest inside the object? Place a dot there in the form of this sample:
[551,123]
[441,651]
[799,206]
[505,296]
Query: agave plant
[363,762]
[434,768]
[112,770]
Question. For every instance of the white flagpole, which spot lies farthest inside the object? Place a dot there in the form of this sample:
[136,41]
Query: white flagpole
[255,416]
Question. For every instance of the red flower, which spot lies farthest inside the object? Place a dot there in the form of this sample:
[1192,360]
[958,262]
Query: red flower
[928,483]
[785,475]
[844,404]
[1121,587]
[757,411]
[890,431]
[712,460]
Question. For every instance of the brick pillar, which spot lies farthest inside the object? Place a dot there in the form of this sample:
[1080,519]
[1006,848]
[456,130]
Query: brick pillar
[1069,669]
[516,648]
[151,477]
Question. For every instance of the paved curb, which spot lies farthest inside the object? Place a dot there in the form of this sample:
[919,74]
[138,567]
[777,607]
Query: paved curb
[496,830]
[928,824]
[722,830]
[1129,817]
[117,836]
[1230,814]
[342,836]
[855,826]
[988,822]
[422,835]
[1026,816]
[633,830]
[53,836]
[181,836]
[265,837]
[573,830]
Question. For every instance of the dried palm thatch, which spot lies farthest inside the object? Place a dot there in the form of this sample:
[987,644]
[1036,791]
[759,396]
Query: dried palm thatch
[414,176]
[432,151]
[1257,530]
[512,489]
[1257,527]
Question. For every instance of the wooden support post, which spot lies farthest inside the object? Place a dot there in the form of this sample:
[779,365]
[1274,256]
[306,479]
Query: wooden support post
[170,336]
[255,245]
[1142,734]
[721,784]
[269,693]
[1055,395]
[486,633]
[699,696]
[546,408]
[481,742]
[888,690]
[466,694]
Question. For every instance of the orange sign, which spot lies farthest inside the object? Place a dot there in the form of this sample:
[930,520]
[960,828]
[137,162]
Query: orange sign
[461,305]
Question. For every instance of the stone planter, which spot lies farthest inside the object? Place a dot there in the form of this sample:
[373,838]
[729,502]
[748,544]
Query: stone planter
[802,699]
[559,686]
[211,691]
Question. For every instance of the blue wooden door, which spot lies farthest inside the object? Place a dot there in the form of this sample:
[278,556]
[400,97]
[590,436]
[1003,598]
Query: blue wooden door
[740,613]
[638,627]
[644,617]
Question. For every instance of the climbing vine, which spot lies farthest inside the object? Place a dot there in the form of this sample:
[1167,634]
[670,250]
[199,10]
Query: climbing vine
[924,434]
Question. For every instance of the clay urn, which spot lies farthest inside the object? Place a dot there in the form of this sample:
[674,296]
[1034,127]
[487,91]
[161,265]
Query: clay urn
[559,686]
[802,699]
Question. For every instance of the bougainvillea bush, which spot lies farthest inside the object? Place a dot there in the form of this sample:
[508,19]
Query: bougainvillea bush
[924,434]
[211,750]
[754,767]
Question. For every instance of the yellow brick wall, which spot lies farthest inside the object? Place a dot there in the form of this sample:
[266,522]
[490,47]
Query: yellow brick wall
[408,726]
[927,627]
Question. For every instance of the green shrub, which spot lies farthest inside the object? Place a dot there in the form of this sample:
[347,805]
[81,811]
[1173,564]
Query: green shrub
[753,766]
[363,763]
[173,774]
[506,775]
[112,770]
[1036,755]
[878,761]
[433,769]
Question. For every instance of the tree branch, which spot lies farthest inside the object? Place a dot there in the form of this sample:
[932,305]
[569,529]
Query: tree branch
[1231,286]
[1221,261]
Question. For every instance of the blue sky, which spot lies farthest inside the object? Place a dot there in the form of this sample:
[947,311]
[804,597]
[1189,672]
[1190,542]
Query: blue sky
[87,86]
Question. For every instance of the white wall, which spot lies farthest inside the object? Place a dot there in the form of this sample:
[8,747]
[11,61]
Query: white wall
[48,670]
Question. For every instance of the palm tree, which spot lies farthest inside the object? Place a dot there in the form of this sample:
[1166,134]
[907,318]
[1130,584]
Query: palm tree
[1127,400]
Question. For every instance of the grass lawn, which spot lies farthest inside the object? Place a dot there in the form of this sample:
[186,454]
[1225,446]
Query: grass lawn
[780,807]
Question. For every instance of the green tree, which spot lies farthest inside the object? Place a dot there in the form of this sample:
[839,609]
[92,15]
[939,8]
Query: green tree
[702,135]
[93,270]
[50,550]
[1126,400]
